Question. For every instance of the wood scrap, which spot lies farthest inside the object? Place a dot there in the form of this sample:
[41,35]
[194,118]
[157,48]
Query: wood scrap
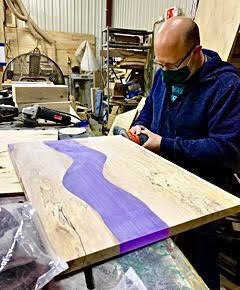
[38,93]
[112,116]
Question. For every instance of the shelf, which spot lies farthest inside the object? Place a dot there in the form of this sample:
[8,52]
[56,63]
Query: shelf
[127,31]
[128,46]
[123,53]
[134,47]
[121,103]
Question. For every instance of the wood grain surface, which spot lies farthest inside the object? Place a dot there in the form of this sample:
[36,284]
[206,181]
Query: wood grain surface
[218,22]
[38,93]
[71,209]
[9,183]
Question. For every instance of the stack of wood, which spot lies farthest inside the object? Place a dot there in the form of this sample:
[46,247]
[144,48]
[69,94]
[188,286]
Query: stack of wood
[81,111]
[137,62]
[47,95]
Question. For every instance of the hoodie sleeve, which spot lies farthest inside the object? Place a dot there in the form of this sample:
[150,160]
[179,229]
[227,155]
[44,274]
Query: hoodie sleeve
[222,146]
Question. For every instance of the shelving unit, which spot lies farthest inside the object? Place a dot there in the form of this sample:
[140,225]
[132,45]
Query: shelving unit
[120,43]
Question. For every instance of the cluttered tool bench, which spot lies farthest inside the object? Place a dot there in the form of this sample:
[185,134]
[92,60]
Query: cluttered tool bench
[117,270]
[80,211]
[100,230]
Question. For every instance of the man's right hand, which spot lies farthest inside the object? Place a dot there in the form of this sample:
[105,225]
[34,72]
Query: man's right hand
[137,129]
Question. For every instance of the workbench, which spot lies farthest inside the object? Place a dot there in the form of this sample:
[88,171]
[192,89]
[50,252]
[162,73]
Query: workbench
[149,265]
[14,132]
[166,264]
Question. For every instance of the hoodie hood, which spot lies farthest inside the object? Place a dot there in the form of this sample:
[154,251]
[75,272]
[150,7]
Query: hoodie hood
[214,66]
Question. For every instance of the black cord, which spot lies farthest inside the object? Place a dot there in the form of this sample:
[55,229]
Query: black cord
[69,115]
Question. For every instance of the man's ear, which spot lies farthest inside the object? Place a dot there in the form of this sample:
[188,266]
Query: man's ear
[197,49]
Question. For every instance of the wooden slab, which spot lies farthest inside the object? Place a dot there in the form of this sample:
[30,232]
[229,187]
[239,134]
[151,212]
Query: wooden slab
[9,183]
[99,197]
[218,22]
[39,93]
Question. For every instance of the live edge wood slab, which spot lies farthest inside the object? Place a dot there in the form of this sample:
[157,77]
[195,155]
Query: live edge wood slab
[9,183]
[103,196]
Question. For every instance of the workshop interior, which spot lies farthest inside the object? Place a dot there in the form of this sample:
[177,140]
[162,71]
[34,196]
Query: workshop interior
[139,118]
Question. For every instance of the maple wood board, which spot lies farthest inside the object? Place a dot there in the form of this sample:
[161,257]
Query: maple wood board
[9,182]
[39,93]
[218,22]
[103,196]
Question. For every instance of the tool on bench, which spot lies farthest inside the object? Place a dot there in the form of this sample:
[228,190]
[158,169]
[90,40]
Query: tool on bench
[33,113]
[137,138]
[7,113]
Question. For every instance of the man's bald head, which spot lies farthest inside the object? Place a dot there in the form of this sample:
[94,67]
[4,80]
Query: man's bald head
[176,36]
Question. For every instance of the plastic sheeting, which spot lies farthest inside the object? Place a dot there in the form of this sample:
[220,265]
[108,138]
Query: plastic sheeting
[89,62]
[27,260]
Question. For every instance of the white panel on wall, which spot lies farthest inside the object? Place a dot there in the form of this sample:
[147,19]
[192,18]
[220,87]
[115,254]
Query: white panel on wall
[141,14]
[88,16]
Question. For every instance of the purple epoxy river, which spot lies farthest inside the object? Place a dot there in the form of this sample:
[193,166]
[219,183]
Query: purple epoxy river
[133,224]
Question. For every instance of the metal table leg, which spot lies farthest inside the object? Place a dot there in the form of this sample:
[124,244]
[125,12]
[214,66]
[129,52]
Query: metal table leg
[89,278]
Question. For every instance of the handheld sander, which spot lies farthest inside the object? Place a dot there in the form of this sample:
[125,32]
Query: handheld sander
[139,139]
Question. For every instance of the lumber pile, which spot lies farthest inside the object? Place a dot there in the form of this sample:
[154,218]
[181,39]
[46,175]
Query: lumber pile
[25,95]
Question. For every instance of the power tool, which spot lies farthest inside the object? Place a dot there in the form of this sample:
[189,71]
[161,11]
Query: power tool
[33,113]
[7,113]
[139,139]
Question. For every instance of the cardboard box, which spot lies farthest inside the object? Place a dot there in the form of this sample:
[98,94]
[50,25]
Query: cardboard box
[115,90]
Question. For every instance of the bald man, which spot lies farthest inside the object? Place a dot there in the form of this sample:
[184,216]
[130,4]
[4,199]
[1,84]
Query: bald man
[192,118]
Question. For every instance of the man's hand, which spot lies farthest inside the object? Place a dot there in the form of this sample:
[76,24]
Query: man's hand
[137,129]
[154,141]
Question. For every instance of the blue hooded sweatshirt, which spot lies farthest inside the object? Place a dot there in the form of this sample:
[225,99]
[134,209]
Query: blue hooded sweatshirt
[200,128]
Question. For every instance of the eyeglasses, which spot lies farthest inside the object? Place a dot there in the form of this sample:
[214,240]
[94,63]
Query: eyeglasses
[174,66]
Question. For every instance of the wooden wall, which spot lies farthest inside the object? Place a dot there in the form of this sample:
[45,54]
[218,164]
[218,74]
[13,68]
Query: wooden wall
[19,41]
